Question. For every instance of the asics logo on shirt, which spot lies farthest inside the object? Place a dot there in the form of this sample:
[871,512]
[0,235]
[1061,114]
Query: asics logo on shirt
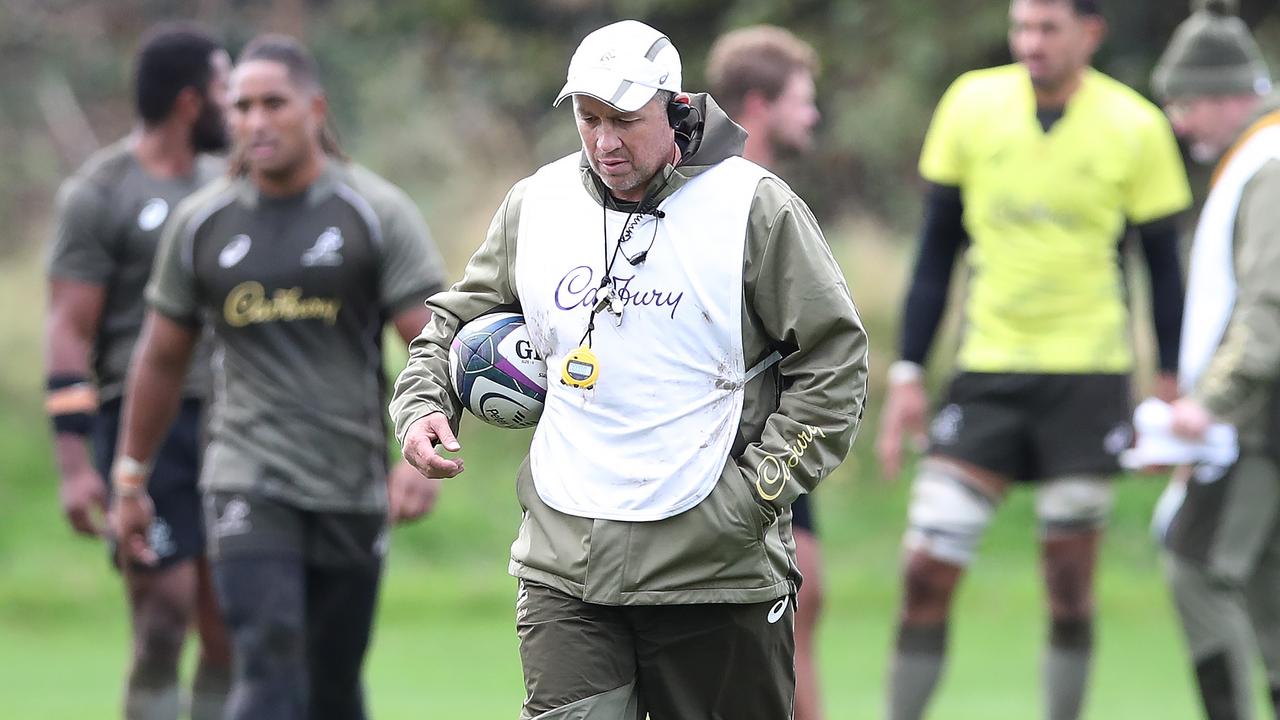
[234,251]
[327,251]
[153,214]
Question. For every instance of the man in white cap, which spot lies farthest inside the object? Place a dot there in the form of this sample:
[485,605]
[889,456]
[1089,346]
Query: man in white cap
[711,369]
[1221,525]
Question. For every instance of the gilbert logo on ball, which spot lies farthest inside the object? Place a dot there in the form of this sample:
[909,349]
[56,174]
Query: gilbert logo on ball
[497,372]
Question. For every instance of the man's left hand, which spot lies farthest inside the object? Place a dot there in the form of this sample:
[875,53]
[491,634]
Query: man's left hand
[412,494]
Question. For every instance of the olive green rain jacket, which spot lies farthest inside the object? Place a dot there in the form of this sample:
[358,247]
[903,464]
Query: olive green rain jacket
[1239,384]
[798,421]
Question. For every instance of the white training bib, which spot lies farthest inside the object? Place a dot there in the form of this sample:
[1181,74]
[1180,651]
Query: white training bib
[1211,280]
[650,438]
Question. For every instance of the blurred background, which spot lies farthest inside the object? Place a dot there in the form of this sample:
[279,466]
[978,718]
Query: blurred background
[451,100]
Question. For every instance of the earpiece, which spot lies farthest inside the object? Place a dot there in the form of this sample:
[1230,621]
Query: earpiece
[686,120]
[678,110]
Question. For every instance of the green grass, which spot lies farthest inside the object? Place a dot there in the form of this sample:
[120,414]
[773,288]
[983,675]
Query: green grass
[445,644]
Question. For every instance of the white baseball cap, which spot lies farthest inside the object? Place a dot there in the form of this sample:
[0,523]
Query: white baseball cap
[623,64]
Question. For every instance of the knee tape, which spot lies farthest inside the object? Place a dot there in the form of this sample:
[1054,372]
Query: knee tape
[1074,504]
[947,516]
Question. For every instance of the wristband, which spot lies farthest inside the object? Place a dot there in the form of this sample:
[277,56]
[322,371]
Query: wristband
[129,491]
[905,372]
[129,476]
[73,424]
[70,402]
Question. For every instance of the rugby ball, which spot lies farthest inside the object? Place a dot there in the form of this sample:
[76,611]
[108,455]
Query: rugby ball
[497,373]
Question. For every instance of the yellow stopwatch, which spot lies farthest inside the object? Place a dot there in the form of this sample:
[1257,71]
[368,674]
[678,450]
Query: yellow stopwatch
[581,368]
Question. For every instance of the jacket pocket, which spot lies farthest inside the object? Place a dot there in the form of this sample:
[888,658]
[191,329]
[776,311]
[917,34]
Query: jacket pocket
[757,513]
[549,541]
[717,544]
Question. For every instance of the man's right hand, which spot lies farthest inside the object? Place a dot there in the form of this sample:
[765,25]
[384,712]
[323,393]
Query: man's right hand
[902,419]
[131,518]
[83,495]
[420,447]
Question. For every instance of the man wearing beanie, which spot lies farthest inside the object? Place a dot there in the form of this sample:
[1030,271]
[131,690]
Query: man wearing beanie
[1220,524]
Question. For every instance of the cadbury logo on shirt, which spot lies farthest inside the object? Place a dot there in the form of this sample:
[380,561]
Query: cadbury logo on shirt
[249,304]
[578,289]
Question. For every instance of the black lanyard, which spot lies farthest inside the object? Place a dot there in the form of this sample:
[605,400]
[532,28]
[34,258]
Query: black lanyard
[628,227]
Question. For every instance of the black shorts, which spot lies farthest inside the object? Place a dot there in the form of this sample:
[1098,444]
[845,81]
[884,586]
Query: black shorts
[802,514]
[1030,427]
[246,524]
[178,530]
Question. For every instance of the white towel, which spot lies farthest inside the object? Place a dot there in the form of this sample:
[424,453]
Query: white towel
[1157,446]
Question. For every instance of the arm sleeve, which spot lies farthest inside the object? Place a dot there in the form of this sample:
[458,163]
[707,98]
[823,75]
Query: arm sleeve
[1160,248]
[1249,356]
[941,238]
[410,267]
[171,290]
[80,249]
[423,387]
[824,377]
[1157,184]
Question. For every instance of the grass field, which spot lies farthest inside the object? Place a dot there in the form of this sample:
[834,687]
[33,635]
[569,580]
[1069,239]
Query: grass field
[445,645]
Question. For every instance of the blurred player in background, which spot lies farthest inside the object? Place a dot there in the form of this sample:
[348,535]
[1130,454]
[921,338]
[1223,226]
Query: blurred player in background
[763,77]
[110,215]
[1223,532]
[296,262]
[1034,169]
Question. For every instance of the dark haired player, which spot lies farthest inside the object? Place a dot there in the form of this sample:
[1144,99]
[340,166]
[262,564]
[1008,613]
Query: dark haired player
[1034,169]
[110,215]
[763,77]
[296,262]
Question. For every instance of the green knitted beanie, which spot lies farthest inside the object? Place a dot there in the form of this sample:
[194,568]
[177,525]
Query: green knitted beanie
[1211,53]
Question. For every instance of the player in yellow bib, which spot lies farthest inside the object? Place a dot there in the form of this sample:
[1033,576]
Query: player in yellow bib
[1035,171]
